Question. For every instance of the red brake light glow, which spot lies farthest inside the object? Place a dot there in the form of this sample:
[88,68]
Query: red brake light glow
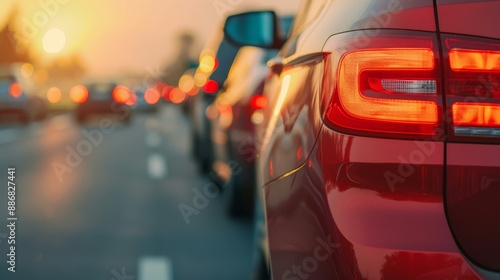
[211,87]
[79,94]
[471,114]
[473,86]
[474,60]
[152,96]
[15,90]
[121,94]
[385,108]
[389,86]
[258,102]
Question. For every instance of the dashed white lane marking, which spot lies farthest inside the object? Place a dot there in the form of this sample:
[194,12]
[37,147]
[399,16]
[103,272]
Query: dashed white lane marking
[155,268]
[157,166]
[153,139]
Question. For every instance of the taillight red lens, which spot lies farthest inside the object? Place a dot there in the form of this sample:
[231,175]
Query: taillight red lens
[258,102]
[473,85]
[211,87]
[390,85]
[474,60]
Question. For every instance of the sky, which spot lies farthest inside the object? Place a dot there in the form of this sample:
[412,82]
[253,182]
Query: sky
[113,36]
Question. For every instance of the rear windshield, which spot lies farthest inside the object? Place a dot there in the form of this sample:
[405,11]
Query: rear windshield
[225,55]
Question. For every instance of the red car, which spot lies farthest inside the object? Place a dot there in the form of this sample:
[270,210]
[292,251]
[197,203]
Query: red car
[380,151]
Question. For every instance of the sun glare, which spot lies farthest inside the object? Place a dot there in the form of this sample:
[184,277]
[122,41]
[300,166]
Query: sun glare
[54,41]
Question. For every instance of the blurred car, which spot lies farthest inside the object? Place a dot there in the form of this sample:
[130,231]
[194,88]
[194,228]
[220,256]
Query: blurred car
[146,100]
[234,114]
[13,101]
[98,98]
[221,54]
[380,142]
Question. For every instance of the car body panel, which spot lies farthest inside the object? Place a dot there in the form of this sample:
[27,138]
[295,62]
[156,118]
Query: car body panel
[340,188]
[477,18]
[333,19]
[472,169]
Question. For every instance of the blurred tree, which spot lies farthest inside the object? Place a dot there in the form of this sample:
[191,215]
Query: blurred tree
[67,67]
[10,50]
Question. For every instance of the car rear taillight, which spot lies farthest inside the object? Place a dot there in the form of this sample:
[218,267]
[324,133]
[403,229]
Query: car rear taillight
[211,87]
[472,74]
[152,96]
[386,85]
[15,90]
[121,94]
[79,94]
[258,102]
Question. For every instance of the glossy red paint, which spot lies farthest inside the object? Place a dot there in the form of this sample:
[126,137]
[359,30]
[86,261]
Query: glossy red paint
[477,17]
[387,204]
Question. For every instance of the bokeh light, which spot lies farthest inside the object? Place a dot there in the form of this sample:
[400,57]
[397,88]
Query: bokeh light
[79,94]
[27,70]
[54,41]
[15,90]
[200,79]
[54,95]
[186,83]
[121,94]
[152,96]
[208,63]
[177,96]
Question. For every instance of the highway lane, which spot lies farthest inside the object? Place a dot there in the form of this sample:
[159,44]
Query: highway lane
[104,204]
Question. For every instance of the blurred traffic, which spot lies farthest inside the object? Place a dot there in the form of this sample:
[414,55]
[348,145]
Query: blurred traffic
[165,140]
[114,133]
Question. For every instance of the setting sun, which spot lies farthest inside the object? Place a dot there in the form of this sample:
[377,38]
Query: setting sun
[54,41]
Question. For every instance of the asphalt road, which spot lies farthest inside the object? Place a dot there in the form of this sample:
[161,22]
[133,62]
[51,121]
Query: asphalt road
[94,203]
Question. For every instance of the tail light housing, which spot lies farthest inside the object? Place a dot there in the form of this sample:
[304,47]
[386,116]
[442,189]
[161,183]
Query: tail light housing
[387,85]
[472,75]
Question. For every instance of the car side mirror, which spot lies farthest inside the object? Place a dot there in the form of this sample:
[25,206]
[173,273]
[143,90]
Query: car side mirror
[257,29]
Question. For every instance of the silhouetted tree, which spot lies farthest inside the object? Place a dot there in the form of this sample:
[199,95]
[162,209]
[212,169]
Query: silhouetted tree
[10,51]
